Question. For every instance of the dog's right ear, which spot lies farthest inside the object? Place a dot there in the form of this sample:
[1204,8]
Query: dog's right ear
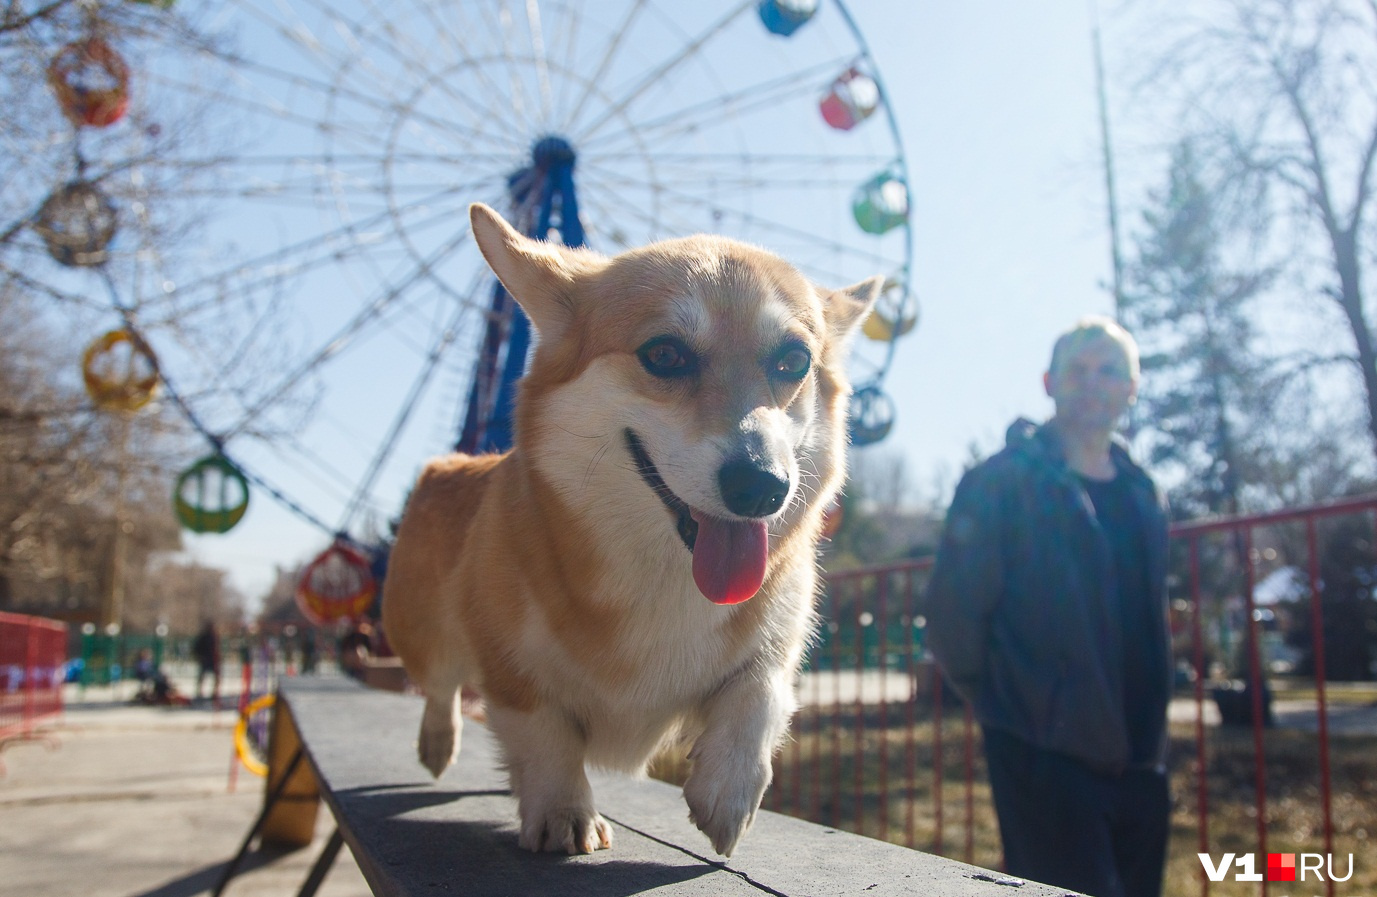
[540,276]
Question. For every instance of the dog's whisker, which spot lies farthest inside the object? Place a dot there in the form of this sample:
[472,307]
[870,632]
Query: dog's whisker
[592,464]
[564,429]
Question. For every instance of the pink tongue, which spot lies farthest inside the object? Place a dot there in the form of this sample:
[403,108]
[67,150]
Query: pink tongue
[728,558]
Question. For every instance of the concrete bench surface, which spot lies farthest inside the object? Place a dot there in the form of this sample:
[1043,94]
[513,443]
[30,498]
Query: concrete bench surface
[412,835]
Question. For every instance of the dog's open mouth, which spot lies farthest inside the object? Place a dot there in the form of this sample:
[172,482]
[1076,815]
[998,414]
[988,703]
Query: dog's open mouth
[683,516]
[728,555]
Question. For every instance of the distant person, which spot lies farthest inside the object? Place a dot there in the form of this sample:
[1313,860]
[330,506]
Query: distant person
[310,652]
[206,650]
[365,655]
[1047,611]
[154,686]
[356,649]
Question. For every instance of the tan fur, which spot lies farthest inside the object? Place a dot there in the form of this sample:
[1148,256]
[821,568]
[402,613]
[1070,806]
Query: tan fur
[552,579]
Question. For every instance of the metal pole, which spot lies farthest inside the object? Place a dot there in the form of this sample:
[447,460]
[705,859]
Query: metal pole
[1116,257]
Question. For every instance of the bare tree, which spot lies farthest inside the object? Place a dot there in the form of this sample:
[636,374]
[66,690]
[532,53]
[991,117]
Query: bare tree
[1282,94]
[84,495]
[883,517]
[159,169]
[182,597]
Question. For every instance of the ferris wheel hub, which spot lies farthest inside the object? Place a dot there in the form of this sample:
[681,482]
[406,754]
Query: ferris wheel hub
[550,151]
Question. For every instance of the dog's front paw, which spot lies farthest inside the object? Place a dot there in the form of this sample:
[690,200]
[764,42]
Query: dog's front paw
[569,829]
[438,743]
[723,798]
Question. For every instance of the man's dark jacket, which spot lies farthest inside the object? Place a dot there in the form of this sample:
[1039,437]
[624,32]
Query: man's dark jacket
[1022,609]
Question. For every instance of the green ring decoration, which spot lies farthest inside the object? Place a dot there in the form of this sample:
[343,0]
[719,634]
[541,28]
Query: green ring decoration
[203,509]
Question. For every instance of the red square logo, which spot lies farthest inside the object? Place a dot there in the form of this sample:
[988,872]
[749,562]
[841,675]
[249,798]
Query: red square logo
[1281,867]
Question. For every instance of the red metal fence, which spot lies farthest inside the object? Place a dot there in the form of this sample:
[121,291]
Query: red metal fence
[872,748]
[33,657]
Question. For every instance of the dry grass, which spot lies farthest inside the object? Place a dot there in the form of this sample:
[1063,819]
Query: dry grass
[1294,810]
[832,774]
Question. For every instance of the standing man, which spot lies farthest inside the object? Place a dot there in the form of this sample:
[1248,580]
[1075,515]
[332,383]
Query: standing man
[206,649]
[1047,611]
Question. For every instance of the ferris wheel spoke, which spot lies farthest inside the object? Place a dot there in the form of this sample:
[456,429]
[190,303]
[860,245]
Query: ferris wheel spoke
[502,27]
[264,100]
[769,171]
[537,30]
[614,46]
[319,249]
[360,92]
[261,100]
[776,227]
[568,26]
[723,160]
[310,467]
[498,108]
[351,329]
[444,339]
[288,25]
[763,183]
[674,61]
[410,56]
[622,200]
[762,95]
[47,289]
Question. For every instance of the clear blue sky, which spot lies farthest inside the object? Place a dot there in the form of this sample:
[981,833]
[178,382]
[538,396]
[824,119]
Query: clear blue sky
[996,104]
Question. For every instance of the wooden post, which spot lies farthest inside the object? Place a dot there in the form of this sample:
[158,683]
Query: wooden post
[291,822]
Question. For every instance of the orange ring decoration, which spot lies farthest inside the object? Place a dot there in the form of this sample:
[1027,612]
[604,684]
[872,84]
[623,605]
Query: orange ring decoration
[91,82]
[832,518]
[127,390]
[337,585]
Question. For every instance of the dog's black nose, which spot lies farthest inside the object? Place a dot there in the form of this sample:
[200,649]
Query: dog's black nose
[751,491]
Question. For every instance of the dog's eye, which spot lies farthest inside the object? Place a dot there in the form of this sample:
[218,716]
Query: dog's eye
[665,356]
[792,362]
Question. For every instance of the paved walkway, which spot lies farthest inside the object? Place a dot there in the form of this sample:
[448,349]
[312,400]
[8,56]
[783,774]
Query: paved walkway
[1345,718]
[119,800]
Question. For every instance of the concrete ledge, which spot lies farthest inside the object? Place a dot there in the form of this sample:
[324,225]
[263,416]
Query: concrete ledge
[412,836]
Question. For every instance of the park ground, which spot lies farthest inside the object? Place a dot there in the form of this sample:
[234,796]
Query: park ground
[121,800]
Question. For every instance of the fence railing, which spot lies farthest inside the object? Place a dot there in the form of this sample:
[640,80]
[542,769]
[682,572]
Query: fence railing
[33,655]
[881,747]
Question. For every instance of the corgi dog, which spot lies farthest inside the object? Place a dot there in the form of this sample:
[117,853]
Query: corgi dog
[641,567]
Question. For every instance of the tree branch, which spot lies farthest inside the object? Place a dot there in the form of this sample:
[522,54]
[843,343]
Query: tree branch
[16,20]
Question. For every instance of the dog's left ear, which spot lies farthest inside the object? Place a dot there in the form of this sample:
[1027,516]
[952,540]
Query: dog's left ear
[846,308]
[540,276]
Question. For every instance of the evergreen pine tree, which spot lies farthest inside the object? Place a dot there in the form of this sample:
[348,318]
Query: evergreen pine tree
[1204,389]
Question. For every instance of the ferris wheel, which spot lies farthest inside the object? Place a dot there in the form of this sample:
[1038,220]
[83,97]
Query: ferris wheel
[350,137]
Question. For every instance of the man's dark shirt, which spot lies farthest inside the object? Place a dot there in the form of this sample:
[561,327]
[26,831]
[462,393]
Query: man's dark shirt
[1136,612]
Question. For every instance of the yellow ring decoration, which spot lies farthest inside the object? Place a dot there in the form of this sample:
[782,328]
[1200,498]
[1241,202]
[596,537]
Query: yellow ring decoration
[242,748]
[134,389]
[886,322]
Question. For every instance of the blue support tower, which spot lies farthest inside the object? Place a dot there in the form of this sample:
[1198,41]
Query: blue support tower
[544,199]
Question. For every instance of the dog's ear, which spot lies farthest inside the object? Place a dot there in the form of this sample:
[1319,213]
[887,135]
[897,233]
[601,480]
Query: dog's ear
[540,276]
[846,308]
